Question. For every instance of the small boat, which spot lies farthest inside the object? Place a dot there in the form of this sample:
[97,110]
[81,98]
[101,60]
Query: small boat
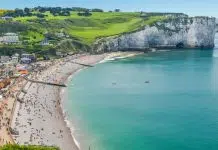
[147,81]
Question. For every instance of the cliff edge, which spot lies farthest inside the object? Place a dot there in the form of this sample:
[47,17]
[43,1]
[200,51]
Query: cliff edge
[174,32]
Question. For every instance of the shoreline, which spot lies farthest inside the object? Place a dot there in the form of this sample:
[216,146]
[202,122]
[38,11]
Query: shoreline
[109,57]
[44,104]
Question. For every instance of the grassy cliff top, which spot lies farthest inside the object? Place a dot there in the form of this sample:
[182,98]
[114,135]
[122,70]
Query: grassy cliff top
[83,29]
[87,29]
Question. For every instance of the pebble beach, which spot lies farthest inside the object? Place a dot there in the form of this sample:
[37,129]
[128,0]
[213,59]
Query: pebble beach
[38,118]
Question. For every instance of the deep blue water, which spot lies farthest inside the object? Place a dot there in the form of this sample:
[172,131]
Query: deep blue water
[115,109]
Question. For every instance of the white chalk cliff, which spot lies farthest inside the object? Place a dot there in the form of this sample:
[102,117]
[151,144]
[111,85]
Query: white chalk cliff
[184,32]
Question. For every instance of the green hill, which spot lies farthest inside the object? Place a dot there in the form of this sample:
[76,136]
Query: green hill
[87,29]
[79,31]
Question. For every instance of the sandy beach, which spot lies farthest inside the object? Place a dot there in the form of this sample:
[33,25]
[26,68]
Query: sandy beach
[38,117]
[7,106]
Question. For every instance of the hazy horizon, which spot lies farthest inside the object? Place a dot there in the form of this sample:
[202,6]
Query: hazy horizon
[192,8]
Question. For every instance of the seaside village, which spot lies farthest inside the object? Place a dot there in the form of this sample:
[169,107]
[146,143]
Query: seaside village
[20,71]
[14,73]
[22,77]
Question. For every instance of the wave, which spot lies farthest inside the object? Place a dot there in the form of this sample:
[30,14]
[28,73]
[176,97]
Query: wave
[72,129]
[112,59]
[66,120]
[106,60]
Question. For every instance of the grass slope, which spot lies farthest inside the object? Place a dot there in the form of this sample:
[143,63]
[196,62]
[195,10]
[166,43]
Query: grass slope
[80,28]
[87,29]
[3,11]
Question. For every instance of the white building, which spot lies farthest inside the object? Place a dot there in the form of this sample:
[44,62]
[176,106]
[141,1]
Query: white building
[9,38]
[14,59]
[5,59]
[44,42]
[7,18]
[27,58]
[60,35]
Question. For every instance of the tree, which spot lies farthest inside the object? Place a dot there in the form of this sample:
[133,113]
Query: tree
[40,9]
[117,10]
[39,15]
[27,10]
[18,12]
[86,13]
[97,10]
[65,13]
[79,9]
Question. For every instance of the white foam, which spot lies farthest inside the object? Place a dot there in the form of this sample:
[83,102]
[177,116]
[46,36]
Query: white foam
[106,60]
[72,129]
[70,126]
[67,121]
[163,50]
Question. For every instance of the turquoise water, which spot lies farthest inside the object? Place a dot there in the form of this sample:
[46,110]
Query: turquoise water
[177,110]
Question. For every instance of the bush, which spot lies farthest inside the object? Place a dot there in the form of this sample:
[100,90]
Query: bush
[39,15]
[97,10]
[12,27]
[86,14]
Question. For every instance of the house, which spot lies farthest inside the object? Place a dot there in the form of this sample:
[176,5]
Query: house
[10,34]
[4,59]
[60,35]
[7,18]
[60,54]
[23,72]
[14,59]
[44,42]
[9,38]
[27,58]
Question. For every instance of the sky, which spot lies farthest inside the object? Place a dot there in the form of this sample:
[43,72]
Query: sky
[190,7]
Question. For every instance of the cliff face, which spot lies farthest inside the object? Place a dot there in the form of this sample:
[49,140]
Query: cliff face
[175,32]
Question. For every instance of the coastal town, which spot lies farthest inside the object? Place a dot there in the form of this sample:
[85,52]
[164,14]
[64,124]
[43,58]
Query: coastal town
[30,86]
[22,85]
[13,69]
[67,81]
[30,102]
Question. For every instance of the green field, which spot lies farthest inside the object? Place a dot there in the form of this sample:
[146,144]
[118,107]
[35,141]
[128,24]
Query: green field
[88,29]
[80,28]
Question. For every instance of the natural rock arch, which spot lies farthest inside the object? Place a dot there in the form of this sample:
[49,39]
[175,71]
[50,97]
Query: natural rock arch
[180,45]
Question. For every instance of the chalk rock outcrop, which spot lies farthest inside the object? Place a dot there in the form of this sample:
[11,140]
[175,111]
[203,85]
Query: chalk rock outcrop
[184,32]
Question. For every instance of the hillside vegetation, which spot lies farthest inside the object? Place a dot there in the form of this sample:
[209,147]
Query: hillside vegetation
[3,11]
[87,29]
[80,31]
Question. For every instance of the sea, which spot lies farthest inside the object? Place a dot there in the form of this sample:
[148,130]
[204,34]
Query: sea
[163,100]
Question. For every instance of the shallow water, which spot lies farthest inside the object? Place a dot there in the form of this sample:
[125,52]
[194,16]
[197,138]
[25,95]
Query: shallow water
[156,101]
